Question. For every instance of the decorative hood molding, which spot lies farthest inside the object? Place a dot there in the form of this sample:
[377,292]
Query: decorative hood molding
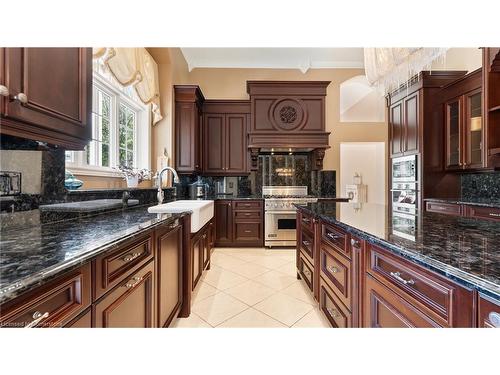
[287,115]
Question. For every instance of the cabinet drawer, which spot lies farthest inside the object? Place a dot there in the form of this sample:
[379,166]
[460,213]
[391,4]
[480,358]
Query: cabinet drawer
[336,313]
[111,268]
[247,231]
[247,205]
[336,271]
[307,222]
[489,213]
[489,312]
[130,304]
[307,244]
[444,208]
[336,238]
[384,308]
[52,305]
[306,270]
[243,215]
[436,295]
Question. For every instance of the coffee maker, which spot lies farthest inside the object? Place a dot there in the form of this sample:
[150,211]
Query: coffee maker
[198,189]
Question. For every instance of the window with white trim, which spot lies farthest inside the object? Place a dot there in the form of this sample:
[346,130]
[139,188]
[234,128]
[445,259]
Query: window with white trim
[120,132]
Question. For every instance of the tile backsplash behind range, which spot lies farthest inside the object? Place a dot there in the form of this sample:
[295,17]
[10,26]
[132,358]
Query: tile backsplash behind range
[481,185]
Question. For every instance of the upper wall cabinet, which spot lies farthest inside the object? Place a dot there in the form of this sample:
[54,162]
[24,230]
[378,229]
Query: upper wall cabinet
[491,96]
[412,113]
[225,137]
[45,94]
[404,125]
[464,127]
[188,121]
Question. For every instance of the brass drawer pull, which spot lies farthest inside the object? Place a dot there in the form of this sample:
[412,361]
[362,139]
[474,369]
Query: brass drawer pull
[332,269]
[494,318]
[306,243]
[130,257]
[355,243]
[397,276]
[37,318]
[333,313]
[248,231]
[305,220]
[307,272]
[133,282]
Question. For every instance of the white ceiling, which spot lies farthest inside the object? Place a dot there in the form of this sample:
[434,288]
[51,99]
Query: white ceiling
[277,58]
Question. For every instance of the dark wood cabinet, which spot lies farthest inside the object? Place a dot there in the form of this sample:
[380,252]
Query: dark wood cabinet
[129,305]
[489,312]
[168,259]
[223,222]
[139,282]
[456,209]
[49,95]
[197,260]
[239,223]
[441,300]
[52,305]
[188,122]
[491,105]
[225,137]
[404,126]
[386,309]
[358,284]
[463,113]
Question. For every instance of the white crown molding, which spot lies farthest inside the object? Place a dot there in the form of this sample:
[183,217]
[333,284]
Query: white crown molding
[263,61]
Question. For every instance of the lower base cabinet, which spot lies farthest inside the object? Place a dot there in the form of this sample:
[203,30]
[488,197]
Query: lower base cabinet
[129,305]
[168,274]
[239,223]
[365,285]
[386,309]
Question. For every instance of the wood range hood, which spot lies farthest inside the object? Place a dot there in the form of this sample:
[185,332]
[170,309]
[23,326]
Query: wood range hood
[288,115]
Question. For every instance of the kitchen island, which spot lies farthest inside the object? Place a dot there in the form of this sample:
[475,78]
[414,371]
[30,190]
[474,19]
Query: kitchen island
[365,272]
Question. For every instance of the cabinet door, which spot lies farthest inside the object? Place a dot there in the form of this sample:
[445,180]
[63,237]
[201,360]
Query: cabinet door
[396,128]
[187,137]
[54,90]
[453,117]
[223,222]
[129,305]
[386,309]
[214,143]
[196,260]
[489,312]
[236,143]
[169,274]
[473,128]
[411,124]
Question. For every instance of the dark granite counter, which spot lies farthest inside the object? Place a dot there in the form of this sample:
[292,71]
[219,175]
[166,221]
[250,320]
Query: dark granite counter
[464,249]
[33,252]
[231,197]
[484,202]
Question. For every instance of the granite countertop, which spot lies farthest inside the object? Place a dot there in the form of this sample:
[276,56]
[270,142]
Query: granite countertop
[33,252]
[485,202]
[463,249]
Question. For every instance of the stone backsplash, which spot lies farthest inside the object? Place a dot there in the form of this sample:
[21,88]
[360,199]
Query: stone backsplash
[481,185]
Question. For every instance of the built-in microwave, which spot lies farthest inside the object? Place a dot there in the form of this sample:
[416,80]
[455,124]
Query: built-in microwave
[404,169]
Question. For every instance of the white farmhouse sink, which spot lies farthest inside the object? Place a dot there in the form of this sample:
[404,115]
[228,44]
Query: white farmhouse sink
[201,211]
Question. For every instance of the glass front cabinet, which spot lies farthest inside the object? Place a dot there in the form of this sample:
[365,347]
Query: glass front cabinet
[464,131]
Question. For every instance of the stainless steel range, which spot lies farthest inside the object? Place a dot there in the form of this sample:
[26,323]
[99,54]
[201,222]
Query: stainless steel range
[280,213]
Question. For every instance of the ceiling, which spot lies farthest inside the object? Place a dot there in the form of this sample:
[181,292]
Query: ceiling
[276,58]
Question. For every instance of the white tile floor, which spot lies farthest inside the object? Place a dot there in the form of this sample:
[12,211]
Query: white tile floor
[252,287]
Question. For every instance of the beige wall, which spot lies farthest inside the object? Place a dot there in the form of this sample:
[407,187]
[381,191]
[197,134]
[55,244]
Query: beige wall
[231,84]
